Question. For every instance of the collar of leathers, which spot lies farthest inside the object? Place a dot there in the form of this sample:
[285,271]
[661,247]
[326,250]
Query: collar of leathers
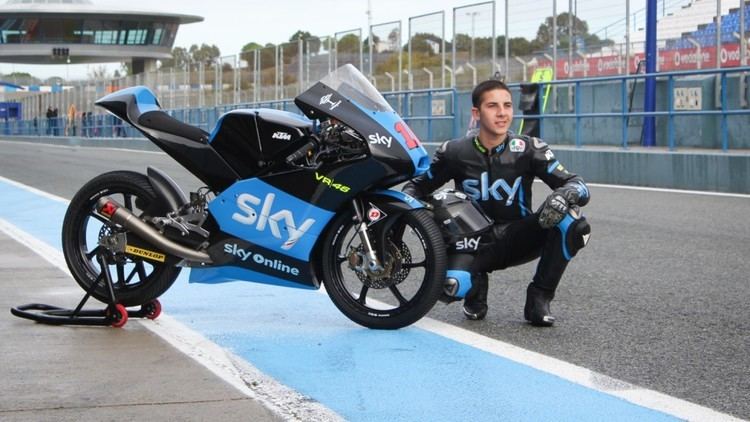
[498,149]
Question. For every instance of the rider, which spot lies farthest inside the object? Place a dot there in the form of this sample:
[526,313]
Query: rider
[497,168]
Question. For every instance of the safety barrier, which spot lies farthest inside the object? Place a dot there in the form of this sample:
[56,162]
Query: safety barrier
[422,109]
[721,107]
[440,114]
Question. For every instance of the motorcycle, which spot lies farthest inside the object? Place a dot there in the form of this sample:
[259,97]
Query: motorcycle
[289,200]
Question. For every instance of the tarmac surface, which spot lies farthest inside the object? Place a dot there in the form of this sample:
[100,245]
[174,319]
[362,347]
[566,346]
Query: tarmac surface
[657,299]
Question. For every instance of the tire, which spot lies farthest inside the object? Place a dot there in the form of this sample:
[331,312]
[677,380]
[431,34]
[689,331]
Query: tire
[415,268]
[136,281]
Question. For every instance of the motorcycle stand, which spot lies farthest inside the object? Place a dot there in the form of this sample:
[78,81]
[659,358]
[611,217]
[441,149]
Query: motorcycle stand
[115,314]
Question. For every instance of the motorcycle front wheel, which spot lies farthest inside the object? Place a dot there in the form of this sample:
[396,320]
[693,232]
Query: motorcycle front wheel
[411,279]
[136,281]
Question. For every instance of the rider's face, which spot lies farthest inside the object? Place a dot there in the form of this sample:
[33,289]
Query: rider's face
[495,112]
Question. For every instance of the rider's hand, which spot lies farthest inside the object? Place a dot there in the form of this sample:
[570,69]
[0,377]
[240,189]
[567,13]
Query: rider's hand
[553,210]
[570,193]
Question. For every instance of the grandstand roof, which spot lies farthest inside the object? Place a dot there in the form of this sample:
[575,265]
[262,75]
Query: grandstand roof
[78,31]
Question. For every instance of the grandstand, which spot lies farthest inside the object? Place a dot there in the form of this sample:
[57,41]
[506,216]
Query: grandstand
[695,20]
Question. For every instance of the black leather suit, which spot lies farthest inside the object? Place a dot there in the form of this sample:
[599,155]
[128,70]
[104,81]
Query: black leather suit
[501,180]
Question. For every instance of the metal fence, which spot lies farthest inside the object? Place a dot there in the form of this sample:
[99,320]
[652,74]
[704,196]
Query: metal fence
[484,40]
[446,50]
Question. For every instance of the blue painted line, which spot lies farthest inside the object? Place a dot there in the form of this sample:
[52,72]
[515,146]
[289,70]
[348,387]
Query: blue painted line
[300,339]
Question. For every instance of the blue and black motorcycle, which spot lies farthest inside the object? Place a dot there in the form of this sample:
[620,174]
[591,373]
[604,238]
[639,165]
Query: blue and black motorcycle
[288,200]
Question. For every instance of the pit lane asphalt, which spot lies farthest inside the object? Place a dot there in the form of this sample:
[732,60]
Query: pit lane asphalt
[658,298]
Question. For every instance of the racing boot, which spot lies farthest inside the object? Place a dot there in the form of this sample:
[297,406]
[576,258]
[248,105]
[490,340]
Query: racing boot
[475,302]
[537,310]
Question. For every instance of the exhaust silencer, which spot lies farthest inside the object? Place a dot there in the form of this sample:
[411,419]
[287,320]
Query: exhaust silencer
[116,213]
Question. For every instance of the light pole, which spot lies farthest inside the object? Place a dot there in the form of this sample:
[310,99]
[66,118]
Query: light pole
[473,16]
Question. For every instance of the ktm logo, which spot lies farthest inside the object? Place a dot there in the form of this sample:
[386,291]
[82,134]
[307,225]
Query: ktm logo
[282,135]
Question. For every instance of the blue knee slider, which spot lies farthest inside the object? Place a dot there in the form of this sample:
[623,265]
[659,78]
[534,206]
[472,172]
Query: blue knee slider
[575,232]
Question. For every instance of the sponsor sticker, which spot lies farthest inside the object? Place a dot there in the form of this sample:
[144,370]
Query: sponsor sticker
[282,135]
[539,144]
[517,145]
[108,209]
[326,99]
[145,253]
[375,214]
[549,155]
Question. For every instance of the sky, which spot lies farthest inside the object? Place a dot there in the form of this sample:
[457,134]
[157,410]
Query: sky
[232,24]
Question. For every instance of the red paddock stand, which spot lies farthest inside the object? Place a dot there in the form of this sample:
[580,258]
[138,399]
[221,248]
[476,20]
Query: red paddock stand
[115,314]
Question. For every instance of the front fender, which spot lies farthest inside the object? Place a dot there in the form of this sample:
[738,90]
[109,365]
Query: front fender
[389,200]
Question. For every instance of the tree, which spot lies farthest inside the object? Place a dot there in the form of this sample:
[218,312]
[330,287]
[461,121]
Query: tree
[580,30]
[518,46]
[180,58]
[205,53]
[426,43]
[348,44]
[99,72]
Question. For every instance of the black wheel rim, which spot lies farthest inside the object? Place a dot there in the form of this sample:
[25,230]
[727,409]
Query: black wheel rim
[408,270]
[127,272]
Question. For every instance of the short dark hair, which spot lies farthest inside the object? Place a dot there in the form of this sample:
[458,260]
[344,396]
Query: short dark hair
[488,85]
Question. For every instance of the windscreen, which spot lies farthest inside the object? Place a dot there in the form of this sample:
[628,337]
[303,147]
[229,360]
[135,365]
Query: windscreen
[350,83]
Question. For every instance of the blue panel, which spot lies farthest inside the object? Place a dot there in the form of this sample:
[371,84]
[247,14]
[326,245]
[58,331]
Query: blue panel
[225,274]
[464,281]
[564,225]
[262,214]
[403,197]
[388,120]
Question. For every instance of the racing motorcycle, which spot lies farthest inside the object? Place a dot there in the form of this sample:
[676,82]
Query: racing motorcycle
[291,200]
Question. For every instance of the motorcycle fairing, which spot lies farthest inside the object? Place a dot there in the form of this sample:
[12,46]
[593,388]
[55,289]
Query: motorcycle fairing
[185,143]
[260,213]
[251,139]
[215,275]
[409,201]
[237,259]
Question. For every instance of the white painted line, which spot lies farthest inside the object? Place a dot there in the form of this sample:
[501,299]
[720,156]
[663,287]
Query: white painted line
[280,399]
[665,190]
[91,146]
[47,252]
[643,397]
[34,190]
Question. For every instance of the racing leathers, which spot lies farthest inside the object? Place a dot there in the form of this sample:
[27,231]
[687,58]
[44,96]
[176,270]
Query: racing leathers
[500,180]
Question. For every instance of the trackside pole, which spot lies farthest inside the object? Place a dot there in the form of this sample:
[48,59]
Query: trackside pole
[649,106]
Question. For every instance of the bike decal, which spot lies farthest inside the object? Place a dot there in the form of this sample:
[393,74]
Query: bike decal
[267,216]
[411,139]
[401,196]
[145,253]
[323,179]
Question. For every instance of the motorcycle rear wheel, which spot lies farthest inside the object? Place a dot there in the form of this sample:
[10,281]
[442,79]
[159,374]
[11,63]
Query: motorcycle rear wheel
[415,271]
[136,281]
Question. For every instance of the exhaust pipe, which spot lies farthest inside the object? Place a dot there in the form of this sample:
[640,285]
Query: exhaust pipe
[116,213]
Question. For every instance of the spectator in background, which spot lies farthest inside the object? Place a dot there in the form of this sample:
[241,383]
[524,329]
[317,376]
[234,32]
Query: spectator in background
[55,122]
[50,115]
[70,129]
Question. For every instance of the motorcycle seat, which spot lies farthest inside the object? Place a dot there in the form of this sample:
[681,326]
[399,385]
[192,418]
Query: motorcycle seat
[163,122]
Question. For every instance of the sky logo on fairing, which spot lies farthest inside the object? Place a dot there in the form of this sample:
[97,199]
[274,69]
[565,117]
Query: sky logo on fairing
[379,139]
[481,190]
[248,215]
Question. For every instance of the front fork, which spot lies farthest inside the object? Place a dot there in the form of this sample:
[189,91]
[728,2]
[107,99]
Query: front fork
[373,263]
